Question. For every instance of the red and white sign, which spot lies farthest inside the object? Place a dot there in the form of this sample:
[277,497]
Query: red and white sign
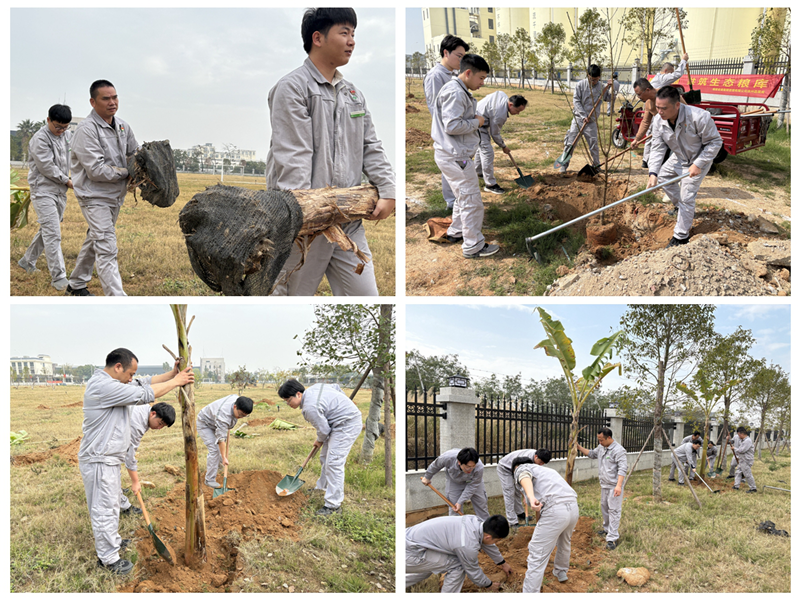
[754,86]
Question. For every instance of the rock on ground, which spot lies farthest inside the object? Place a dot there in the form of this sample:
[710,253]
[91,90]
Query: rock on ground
[635,577]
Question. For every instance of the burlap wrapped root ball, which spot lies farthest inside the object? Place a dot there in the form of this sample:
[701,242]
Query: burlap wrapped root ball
[151,169]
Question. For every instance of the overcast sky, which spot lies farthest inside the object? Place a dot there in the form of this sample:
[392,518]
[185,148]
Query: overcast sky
[415,37]
[258,336]
[192,76]
[500,339]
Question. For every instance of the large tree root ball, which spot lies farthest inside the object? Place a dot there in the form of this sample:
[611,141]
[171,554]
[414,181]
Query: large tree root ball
[152,170]
[601,235]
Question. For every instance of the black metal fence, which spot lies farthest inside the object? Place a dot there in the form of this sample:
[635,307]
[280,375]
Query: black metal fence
[723,66]
[422,433]
[636,430]
[770,66]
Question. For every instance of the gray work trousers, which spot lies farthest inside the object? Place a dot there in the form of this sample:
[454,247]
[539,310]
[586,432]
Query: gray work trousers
[677,468]
[485,159]
[611,507]
[589,134]
[468,207]
[447,193]
[511,498]
[101,483]
[214,459]
[682,194]
[554,528]
[326,259]
[734,462]
[646,152]
[743,471]
[99,248]
[332,458]
[124,501]
[49,214]
[421,566]
[480,501]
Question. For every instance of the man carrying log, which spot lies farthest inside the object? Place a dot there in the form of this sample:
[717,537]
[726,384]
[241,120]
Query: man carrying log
[323,135]
[495,108]
[213,424]
[338,423]
[647,93]
[511,498]
[98,157]
[464,474]
[48,178]
[450,546]
[452,50]
[690,133]
[746,457]
[110,393]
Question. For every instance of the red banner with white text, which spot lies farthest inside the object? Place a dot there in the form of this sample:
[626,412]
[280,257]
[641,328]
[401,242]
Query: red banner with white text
[755,86]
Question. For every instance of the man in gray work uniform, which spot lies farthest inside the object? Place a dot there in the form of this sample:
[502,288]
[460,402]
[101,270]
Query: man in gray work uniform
[496,108]
[452,50]
[612,466]
[669,74]
[464,474]
[323,135]
[451,545]
[511,497]
[48,178]
[586,95]
[110,393]
[338,423]
[695,437]
[686,455]
[98,157]
[746,453]
[213,424]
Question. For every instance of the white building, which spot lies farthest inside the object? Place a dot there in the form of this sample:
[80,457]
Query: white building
[215,366]
[36,365]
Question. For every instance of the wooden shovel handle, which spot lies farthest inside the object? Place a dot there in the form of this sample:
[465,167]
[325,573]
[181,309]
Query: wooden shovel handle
[591,112]
[683,46]
[227,454]
[450,504]
[310,456]
[618,154]
[144,510]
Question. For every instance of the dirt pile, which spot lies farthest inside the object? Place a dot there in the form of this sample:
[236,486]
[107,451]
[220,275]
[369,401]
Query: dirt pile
[72,404]
[410,108]
[252,509]
[42,407]
[415,137]
[257,422]
[584,561]
[68,452]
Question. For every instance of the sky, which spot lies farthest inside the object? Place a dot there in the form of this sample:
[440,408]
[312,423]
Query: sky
[256,336]
[415,38]
[500,338]
[193,75]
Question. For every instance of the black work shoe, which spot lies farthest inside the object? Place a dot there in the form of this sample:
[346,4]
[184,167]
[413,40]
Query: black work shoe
[644,164]
[123,545]
[677,242]
[671,479]
[327,511]
[521,517]
[487,250]
[121,567]
[79,292]
[494,189]
[131,510]
[751,491]
[681,483]
[611,545]
[601,532]
[447,239]
[730,476]
[736,487]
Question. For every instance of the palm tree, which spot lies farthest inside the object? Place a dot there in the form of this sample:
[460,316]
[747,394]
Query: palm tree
[26,129]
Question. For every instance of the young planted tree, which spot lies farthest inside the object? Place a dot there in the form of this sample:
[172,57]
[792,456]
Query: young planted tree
[505,53]
[521,45]
[651,28]
[768,389]
[771,40]
[559,346]
[589,41]
[417,62]
[549,45]
[241,378]
[491,54]
[195,542]
[661,343]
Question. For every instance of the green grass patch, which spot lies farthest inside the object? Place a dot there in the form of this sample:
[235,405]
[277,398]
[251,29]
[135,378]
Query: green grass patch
[648,198]
[421,162]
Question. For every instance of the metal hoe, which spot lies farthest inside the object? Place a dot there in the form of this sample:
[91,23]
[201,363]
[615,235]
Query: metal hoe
[224,488]
[530,240]
[164,550]
[289,485]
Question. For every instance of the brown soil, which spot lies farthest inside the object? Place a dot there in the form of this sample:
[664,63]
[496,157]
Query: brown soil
[410,108]
[251,510]
[415,137]
[43,407]
[72,404]
[257,422]
[68,452]
[584,563]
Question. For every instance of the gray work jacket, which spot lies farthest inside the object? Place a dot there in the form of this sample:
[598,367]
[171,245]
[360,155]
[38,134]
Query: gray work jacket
[584,98]
[140,423]
[107,417]
[612,462]
[449,462]
[219,416]
[659,80]
[508,459]
[695,139]
[461,537]
[48,162]
[454,126]
[323,135]
[325,407]
[746,451]
[433,83]
[98,147]
[686,454]
[548,485]
[494,108]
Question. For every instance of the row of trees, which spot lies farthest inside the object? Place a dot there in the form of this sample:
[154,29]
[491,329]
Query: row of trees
[21,137]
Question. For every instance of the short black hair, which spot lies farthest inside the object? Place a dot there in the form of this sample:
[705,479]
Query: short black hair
[594,71]
[710,442]
[669,93]
[544,455]
[290,388]
[165,412]
[607,433]
[741,430]
[474,63]
[450,43]
[467,455]
[244,404]
[496,526]
[696,433]
[100,83]
[122,356]
[60,113]
[322,19]
[517,100]
[696,442]
[643,83]
[521,460]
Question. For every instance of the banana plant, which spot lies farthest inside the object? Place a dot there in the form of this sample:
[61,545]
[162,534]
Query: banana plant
[20,202]
[559,346]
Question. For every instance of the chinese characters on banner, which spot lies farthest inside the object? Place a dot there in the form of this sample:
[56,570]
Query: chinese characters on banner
[755,86]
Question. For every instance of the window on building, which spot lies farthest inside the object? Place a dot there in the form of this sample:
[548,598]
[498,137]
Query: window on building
[491,39]
[491,24]
[490,10]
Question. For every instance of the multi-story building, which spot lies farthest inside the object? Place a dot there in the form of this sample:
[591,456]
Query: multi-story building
[213,368]
[40,364]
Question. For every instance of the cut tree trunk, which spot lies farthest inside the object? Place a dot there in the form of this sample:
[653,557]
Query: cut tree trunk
[388,442]
[657,431]
[573,446]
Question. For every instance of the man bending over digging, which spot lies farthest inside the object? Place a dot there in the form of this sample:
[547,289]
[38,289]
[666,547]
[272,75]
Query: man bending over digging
[464,472]
[213,424]
[110,393]
[338,423]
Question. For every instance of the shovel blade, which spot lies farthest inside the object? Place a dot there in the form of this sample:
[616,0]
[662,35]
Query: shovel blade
[289,484]
[164,550]
[692,97]
[564,158]
[588,170]
[219,491]
[525,181]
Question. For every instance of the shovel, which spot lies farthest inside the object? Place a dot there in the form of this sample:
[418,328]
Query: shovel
[164,550]
[567,155]
[705,484]
[692,96]
[450,504]
[525,504]
[219,491]
[289,485]
[523,181]
[590,170]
